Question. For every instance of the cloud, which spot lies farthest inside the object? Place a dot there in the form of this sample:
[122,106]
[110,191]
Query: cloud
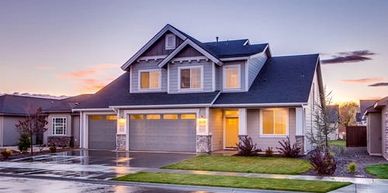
[363,80]
[377,84]
[349,57]
[91,79]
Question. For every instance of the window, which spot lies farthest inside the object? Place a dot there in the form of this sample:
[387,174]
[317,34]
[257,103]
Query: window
[150,79]
[274,122]
[232,77]
[187,116]
[153,116]
[59,125]
[170,42]
[170,116]
[190,78]
[111,117]
[136,117]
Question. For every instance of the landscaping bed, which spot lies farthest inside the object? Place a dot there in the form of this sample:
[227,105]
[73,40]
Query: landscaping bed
[18,154]
[234,182]
[255,164]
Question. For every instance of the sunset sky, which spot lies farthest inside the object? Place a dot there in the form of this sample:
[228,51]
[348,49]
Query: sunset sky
[77,46]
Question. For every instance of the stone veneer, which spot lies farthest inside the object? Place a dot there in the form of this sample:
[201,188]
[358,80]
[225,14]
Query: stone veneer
[121,142]
[203,143]
[299,140]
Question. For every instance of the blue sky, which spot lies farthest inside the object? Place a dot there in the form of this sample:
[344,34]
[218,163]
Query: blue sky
[72,47]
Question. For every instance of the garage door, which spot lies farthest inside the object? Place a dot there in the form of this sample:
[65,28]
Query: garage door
[162,132]
[102,132]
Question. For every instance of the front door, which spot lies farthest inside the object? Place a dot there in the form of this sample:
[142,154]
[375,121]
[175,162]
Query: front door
[231,132]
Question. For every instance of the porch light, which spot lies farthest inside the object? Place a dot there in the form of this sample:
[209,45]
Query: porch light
[121,127]
[122,122]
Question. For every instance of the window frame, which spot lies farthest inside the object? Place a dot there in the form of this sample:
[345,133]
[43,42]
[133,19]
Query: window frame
[168,47]
[238,66]
[180,78]
[287,110]
[149,77]
[54,126]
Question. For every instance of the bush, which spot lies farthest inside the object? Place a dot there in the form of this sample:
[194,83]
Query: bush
[323,162]
[24,142]
[269,152]
[352,167]
[287,149]
[246,147]
[6,153]
[53,148]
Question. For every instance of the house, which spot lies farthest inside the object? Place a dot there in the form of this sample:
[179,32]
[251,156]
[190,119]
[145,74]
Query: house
[377,128]
[182,95]
[333,116]
[364,105]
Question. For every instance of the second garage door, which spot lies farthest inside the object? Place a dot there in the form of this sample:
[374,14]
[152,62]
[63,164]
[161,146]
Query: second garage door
[162,132]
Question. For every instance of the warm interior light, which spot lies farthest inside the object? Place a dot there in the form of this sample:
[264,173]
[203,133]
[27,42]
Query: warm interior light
[122,122]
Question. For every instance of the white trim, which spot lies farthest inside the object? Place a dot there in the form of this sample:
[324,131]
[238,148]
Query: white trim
[171,47]
[162,106]
[275,135]
[189,59]
[53,133]
[215,98]
[195,46]
[243,121]
[246,66]
[190,89]
[235,58]
[168,79]
[224,77]
[299,121]
[246,42]
[151,42]
[148,58]
[130,80]
[149,89]
[214,76]
[93,109]
[260,105]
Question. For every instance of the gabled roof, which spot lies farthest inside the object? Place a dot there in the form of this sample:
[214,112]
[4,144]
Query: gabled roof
[15,105]
[234,48]
[66,105]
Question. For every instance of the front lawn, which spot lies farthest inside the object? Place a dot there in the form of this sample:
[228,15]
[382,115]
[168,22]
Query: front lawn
[378,170]
[234,182]
[268,165]
[339,143]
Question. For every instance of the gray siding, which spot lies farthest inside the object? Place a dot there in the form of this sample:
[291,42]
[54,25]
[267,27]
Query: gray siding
[216,128]
[254,65]
[75,129]
[374,139]
[49,131]
[384,126]
[207,73]
[253,124]
[10,133]
[220,82]
[146,65]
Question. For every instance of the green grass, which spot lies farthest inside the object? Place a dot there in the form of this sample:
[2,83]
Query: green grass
[338,143]
[378,170]
[268,165]
[234,182]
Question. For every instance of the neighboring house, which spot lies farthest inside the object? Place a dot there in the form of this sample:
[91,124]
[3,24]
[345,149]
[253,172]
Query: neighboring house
[377,128]
[333,116]
[364,105]
[180,94]
[14,108]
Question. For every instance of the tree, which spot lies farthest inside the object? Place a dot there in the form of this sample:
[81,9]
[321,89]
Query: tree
[322,124]
[347,113]
[34,123]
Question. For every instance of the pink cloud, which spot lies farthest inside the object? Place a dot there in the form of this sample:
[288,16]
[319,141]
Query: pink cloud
[89,71]
[363,80]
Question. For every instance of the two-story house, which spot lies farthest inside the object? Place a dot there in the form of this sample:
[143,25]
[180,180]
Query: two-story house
[179,94]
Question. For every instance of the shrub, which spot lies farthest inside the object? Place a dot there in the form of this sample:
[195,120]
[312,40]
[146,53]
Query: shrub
[24,142]
[287,149]
[246,147]
[53,148]
[352,167]
[322,161]
[6,153]
[269,152]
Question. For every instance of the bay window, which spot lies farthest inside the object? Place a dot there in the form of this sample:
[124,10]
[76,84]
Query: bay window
[190,77]
[274,122]
[150,79]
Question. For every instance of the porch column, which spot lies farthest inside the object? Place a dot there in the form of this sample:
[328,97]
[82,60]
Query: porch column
[243,125]
[121,134]
[299,125]
[203,139]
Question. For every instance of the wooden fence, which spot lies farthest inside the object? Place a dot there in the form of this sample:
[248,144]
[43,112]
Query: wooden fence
[356,136]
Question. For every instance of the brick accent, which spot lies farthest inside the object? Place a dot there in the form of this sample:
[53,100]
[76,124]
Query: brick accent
[203,144]
[121,142]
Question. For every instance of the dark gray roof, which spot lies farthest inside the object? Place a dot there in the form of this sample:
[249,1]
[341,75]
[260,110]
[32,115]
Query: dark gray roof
[333,113]
[365,104]
[117,94]
[66,105]
[23,105]
[283,79]
[234,48]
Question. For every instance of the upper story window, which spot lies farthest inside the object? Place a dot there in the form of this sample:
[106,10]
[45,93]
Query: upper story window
[232,77]
[190,77]
[149,79]
[170,42]
[59,125]
[274,122]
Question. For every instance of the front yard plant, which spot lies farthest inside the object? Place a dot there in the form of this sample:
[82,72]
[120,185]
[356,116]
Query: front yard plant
[246,147]
[269,152]
[323,161]
[378,170]
[234,182]
[256,164]
[352,167]
[6,153]
[288,150]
